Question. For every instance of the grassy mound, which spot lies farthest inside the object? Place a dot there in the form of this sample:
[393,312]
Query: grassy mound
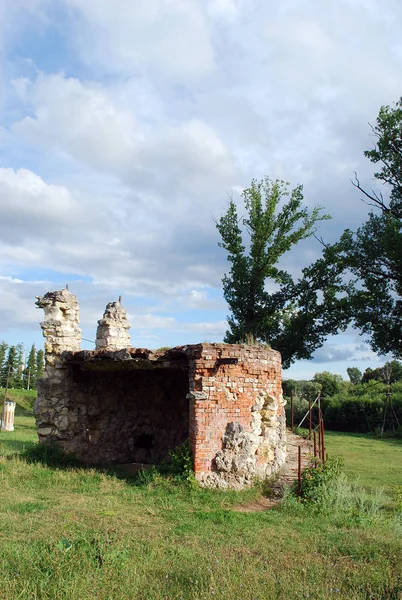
[23,398]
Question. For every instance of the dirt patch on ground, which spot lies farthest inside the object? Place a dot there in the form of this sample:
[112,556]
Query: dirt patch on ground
[286,476]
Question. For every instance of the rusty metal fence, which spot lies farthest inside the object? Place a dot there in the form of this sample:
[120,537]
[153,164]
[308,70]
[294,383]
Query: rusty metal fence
[316,435]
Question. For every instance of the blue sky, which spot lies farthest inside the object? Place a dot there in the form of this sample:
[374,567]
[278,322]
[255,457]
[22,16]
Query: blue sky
[125,125]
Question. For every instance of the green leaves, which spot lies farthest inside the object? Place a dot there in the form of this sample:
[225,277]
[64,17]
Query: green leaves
[388,151]
[275,222]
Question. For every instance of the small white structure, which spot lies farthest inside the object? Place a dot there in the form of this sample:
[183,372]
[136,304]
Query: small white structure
[7,423]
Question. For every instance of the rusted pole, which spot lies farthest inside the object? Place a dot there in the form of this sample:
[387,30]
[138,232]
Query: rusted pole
[309,419]
[322,440]
[291,411]
[315,448]
[319,437]
[299,470]
[322,435]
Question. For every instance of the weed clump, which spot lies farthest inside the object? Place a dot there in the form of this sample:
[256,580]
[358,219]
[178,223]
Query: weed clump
[317,480]
[325,489]
[301,432]
[176,468]
[180,462]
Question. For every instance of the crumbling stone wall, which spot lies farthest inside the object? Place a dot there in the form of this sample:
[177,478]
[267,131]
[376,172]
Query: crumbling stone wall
[122,404]
[113,328]
[62,334]
[60,325]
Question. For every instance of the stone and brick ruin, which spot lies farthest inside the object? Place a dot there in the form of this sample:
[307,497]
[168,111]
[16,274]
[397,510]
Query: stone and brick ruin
[118,404]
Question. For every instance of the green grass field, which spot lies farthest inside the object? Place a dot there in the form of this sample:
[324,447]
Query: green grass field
[375,462]
[85,534]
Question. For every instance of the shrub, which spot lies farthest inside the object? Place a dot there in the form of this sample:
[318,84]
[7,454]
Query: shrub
[316,479]
[304,433]
[359,413]
[24,400]
[326,489]
[180,462]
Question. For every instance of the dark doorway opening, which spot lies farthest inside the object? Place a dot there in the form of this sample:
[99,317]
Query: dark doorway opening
[135,414]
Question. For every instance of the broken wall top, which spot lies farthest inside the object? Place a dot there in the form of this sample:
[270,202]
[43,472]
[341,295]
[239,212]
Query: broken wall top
[63,340]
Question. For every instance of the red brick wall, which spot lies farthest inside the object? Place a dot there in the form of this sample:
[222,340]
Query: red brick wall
[224,393]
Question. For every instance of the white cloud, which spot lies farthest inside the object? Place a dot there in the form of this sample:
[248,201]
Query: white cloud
[17,303]
[200,300]
[150,321]
[80,120]
[167,38]
[216,329]
[123,250]
[223,9]
[85,122]
[32,208]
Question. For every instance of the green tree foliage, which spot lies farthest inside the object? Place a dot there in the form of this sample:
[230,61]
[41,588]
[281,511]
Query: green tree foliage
[30,369]
[21,376]
[371,257]
[388,153]
[303,391]
[356,408]
[391,372]
[40,364]
[9,370]
[266,304]
[307,390]
[361,410]
[3,354]
[354,374]
[19,368]
[331,383]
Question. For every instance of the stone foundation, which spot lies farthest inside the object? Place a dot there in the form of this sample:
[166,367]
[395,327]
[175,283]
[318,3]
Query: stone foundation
[135,405]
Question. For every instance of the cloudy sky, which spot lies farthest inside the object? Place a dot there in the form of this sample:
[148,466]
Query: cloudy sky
[126,124]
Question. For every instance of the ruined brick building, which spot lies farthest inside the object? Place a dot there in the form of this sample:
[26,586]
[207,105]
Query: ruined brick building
[118,404]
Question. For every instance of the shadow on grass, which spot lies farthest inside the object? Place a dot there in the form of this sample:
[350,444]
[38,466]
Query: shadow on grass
[51,455]
[16,446]
[23,412]
[391,441]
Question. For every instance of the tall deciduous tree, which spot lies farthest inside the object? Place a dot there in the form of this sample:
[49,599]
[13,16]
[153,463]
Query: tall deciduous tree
[391,372]
[355,375]
[387,153]
[266,304]
[331,383]
[371,257]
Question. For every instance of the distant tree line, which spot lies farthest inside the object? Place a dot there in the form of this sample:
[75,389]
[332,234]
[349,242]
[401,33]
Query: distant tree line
[21,369]
[369,402]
